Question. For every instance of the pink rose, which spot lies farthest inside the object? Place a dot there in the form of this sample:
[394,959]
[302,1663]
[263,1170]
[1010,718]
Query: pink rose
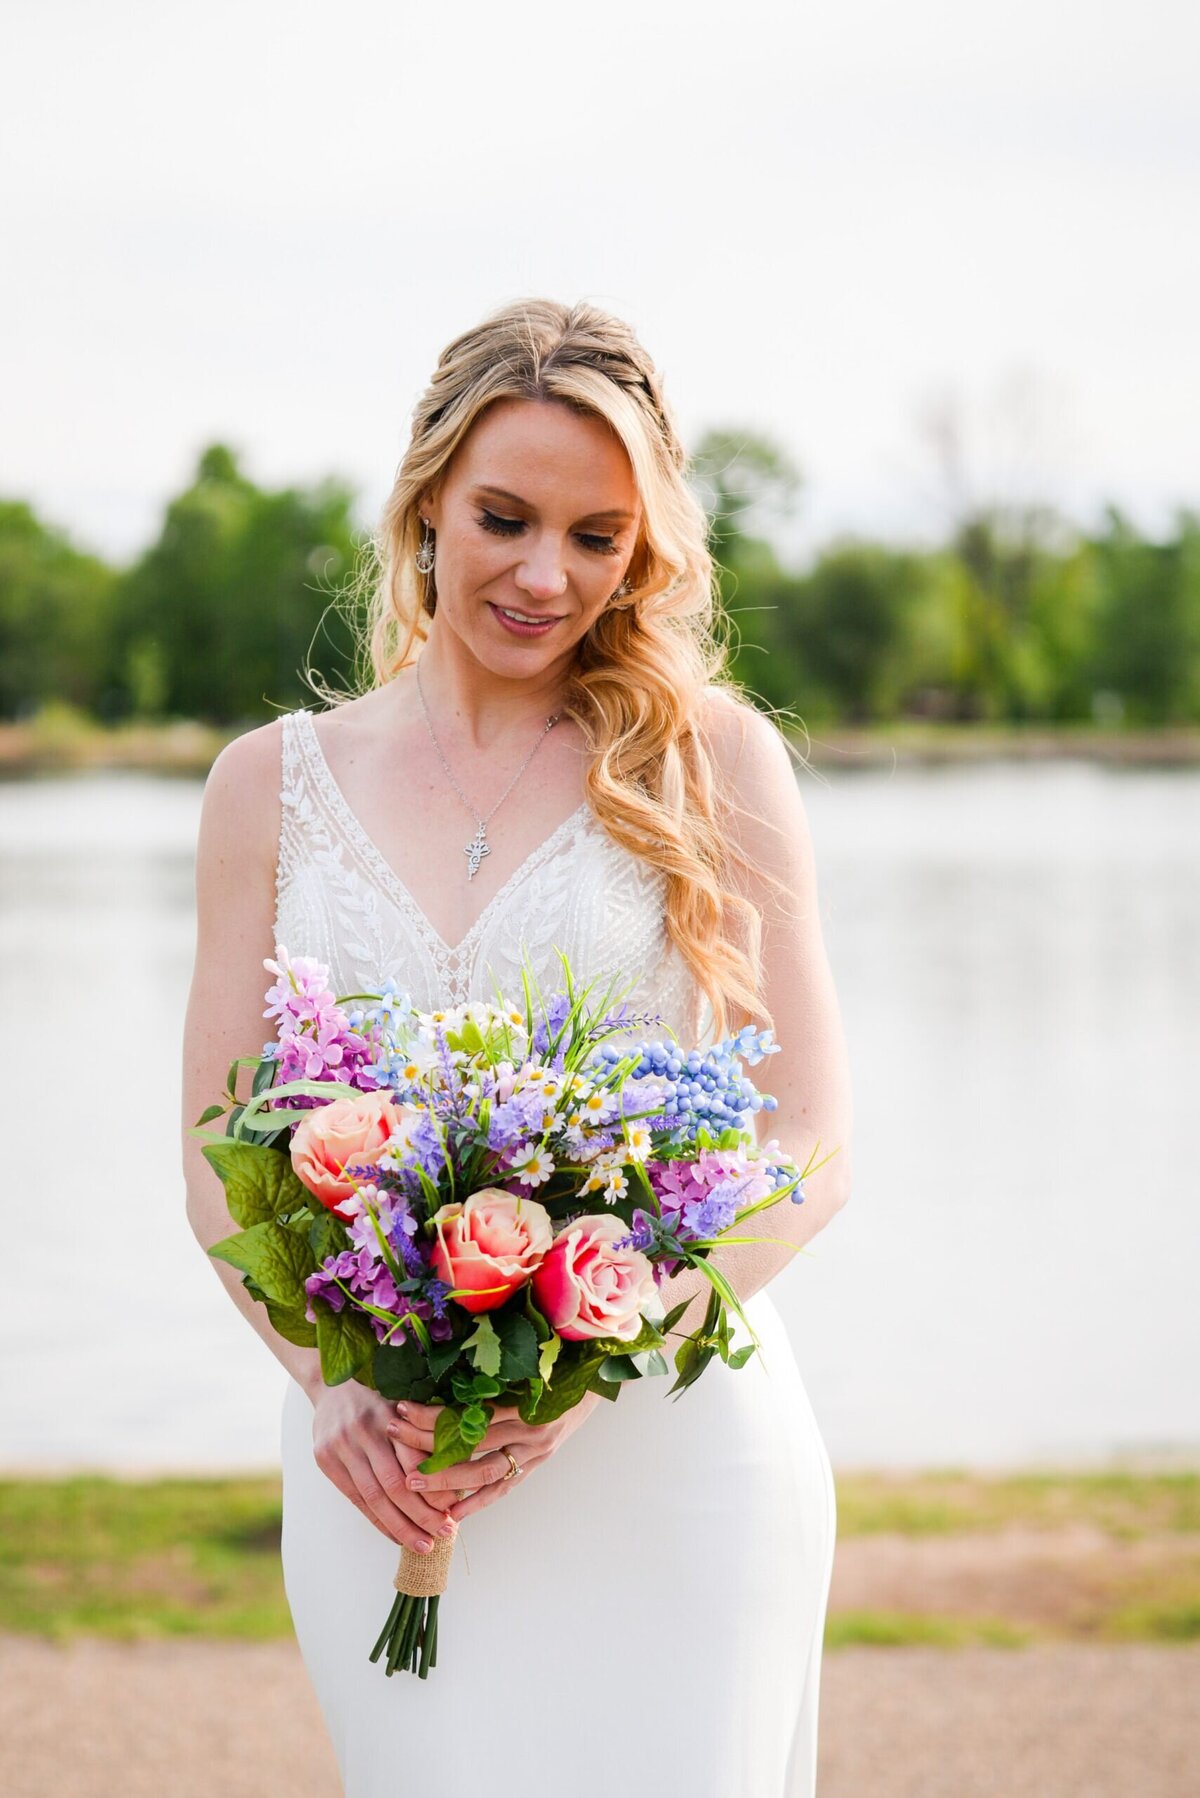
[586,1287]
[333,1139]
[490,1245]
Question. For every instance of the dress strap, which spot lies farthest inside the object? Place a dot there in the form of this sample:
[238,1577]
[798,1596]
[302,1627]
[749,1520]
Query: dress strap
[294,806]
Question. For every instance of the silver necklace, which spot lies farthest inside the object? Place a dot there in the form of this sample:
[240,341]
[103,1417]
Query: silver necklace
[479,846]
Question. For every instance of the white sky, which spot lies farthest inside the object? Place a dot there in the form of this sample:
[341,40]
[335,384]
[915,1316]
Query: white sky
[261,222]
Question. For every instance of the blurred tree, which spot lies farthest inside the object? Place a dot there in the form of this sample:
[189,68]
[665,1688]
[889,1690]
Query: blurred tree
[55,616]
[748,485]
[1147,646]
[217,620]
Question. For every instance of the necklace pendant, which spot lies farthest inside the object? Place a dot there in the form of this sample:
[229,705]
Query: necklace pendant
[475,851]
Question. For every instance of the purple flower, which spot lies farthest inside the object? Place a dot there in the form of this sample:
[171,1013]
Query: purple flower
[549,1026]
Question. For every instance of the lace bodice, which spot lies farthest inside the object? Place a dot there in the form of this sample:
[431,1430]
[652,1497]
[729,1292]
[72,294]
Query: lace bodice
[338,900]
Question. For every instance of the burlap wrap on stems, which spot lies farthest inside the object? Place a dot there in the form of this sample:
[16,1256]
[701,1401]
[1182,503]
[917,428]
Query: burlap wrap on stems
[425,1575]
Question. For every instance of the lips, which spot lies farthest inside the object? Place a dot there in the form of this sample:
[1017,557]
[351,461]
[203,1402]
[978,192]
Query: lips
[528,617]
[541,626]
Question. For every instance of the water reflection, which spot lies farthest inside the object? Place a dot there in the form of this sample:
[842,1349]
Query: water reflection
[1019,967]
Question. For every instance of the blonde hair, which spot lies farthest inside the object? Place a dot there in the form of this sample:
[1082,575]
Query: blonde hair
[642,672]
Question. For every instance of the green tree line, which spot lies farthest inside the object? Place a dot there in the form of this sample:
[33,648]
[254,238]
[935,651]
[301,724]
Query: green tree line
[1016,616]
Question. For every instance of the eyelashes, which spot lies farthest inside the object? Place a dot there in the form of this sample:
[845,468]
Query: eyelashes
[512,527]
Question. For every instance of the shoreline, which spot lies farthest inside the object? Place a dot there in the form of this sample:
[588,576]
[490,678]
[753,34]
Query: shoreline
[61,741]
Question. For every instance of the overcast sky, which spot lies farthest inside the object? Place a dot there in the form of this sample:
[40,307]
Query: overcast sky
[261,222]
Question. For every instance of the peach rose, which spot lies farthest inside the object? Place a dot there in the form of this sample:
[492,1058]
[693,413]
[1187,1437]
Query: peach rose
[333,1139]
[586,1287]
[491,1244]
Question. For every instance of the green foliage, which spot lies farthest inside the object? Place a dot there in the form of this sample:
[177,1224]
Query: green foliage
[56,612]
[221,614]
[347,1344]
[259,1183]
[1014,617]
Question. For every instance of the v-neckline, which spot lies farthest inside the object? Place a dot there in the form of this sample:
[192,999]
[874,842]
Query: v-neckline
[391,881]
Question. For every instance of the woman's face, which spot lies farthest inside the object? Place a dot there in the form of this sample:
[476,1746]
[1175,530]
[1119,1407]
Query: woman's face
[537,515]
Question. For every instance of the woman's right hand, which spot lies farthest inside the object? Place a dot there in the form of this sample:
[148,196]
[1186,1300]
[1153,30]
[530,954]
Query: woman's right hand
[353,1450]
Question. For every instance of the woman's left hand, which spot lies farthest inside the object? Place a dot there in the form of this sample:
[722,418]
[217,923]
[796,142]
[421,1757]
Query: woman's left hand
[487,1476]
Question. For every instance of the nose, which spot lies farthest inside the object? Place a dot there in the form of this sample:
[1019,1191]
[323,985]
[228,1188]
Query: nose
[542,574]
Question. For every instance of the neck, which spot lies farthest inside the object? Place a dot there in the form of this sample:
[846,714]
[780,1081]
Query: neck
[485,709]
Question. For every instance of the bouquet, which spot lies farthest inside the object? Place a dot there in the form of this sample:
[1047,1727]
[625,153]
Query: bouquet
[477,1206]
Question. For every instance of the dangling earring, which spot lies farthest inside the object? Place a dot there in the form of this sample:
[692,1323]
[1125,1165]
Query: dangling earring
[424,555]
[620,592]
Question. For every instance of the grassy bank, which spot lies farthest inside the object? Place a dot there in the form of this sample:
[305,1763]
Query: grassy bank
[60,739]
[941,1559]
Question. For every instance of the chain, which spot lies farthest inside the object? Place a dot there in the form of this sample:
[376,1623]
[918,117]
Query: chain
[475,851]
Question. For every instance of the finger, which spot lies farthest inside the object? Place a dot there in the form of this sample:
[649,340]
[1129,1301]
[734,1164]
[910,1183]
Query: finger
[400,1431]
[409,1459]
[478,1471]
[397,1529]
[488,1495]
[424,1416]
[504,1433]
[410,1518]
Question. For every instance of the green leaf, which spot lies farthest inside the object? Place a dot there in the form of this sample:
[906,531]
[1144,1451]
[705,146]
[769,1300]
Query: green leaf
[264,1076]
[547,1357]
[518,1347]
[656,1364]
[473,1424]
[399,1366]
[673,1316]
[292,1324]
[740,1356]
[615,1368]
[346,1341]
[259,1182]
[208,1114]
[606,1388]
[449,1444]
[648,1337]
[690,1362]
[570,1384]
[327,1235]
[442,1356]
[277,1260]
[483,1345]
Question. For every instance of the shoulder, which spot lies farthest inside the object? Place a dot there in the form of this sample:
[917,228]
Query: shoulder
[248,765]
[240,813]
[751,757]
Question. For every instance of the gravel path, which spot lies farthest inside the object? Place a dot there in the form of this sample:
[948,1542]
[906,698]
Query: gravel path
[144,1720]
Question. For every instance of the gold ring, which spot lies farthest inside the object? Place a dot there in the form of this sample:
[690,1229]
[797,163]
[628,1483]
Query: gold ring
[514,1466]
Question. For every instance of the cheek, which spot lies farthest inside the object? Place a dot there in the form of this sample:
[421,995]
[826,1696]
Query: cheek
[472,561]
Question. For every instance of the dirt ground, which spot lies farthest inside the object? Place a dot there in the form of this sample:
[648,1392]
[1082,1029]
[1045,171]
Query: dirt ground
[146,1720]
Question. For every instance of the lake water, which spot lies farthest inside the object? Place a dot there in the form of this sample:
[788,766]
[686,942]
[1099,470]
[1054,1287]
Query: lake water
[1018,959]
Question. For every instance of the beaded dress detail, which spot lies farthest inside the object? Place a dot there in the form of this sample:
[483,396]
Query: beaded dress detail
[337,899]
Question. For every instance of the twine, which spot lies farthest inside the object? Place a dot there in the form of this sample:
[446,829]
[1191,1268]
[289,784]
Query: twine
[425,1575]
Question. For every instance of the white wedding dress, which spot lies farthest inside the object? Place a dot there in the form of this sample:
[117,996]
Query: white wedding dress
[643,1615]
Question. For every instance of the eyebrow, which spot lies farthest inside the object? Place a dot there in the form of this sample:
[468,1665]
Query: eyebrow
[614,512]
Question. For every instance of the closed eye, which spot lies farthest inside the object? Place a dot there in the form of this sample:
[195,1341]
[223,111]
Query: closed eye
[512,527]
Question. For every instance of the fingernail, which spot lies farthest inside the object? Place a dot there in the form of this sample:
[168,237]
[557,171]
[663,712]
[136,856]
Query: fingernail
[425,1544]
[448,1528]
[416,1482]
[403,1410]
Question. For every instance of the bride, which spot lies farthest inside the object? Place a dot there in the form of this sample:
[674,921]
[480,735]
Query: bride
[548,756]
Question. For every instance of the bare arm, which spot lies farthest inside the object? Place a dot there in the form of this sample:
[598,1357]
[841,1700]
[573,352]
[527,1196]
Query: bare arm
[235,910]
[235,914]
[810,1077]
